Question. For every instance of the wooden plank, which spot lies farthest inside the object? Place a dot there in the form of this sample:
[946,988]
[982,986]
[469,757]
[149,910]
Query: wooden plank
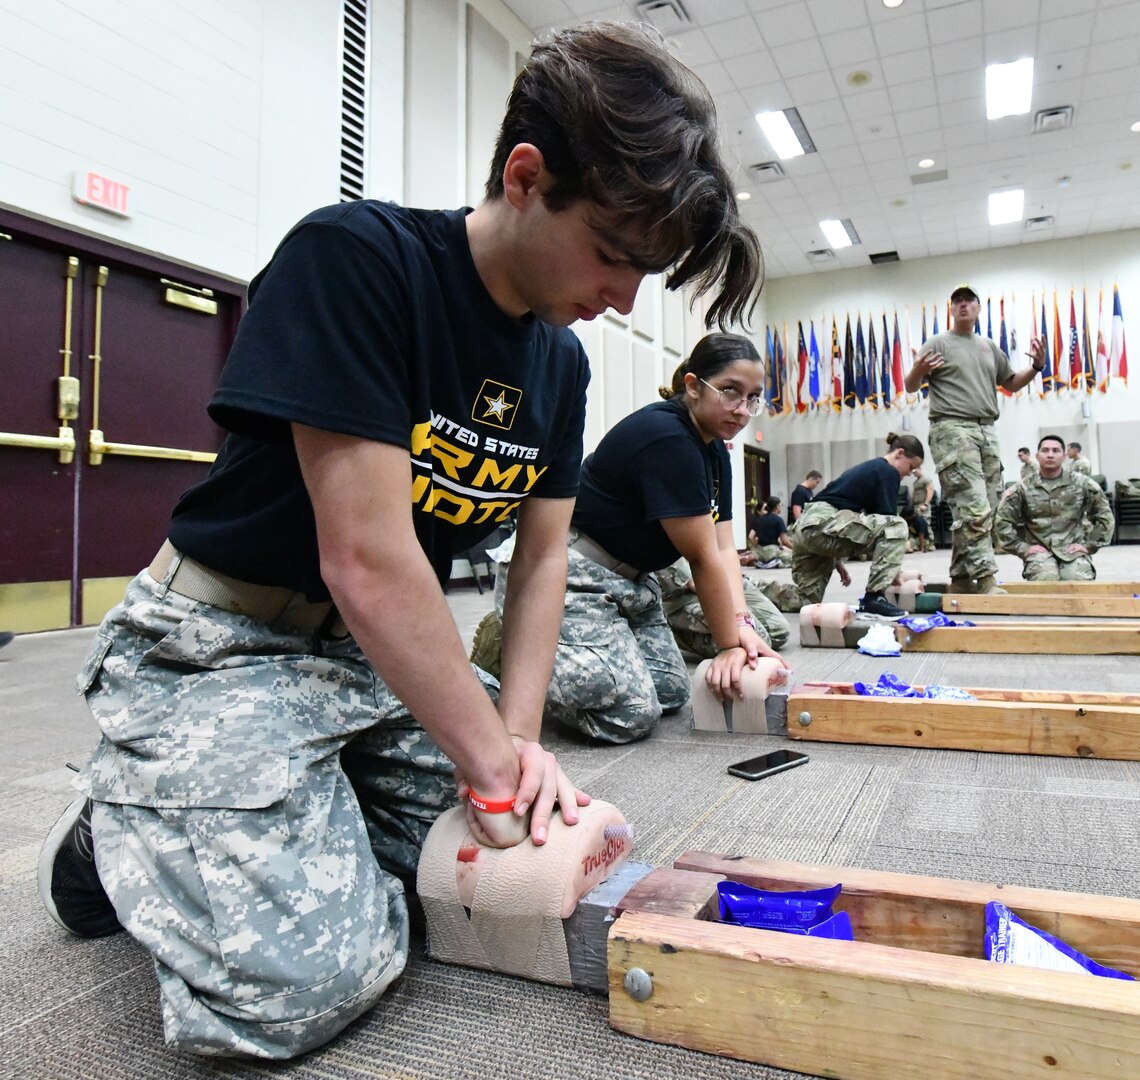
[997,693]
[1071,604]
[1075,588]
[944,915]
[863,1011]
[684,894]
[1072,639]
[1061,729]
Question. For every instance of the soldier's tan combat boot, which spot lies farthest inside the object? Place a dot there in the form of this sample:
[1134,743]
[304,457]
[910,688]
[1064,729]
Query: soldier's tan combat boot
[988,586]
[961,585]
[487,649]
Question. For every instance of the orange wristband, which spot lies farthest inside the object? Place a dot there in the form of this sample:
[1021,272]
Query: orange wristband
[490,806]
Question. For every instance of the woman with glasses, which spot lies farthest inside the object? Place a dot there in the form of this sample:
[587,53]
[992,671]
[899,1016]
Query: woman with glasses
[658,487]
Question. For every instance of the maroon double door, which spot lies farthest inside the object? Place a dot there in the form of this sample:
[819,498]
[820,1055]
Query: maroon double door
[107,360]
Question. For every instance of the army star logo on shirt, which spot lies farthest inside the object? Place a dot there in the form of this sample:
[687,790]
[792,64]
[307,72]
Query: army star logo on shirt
[496,404]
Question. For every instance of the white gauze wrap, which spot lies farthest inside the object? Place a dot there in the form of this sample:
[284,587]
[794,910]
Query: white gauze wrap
[748,716]
[518,896]
[822,624]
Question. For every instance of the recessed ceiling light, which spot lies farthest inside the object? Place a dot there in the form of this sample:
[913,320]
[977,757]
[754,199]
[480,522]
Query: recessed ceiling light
[858,78]
[926,163]
[778,131]
[898,202]
[892,3]
[1135,127]
[1007,206]
[744,196]
[839,233]
[1009,88]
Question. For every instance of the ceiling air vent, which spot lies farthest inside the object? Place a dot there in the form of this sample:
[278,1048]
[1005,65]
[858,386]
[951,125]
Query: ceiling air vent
[1053,119]
[929,177]
[877,257]
[764,172]
[669,16]
[1036,224]
[823,255]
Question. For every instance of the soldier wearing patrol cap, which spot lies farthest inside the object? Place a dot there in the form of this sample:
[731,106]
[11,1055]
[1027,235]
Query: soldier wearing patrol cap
[963,370]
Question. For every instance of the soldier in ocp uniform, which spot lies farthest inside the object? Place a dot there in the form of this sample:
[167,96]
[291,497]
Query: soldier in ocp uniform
[687,620]
[1054,520]
[963,370]
[857,514]
[1075,462]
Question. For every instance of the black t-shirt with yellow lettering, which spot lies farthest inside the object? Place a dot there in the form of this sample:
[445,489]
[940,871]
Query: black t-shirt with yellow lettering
[650,467]
[371,320]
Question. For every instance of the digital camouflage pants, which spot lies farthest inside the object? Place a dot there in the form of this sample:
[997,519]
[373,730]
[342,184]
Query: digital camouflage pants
[824,534]
[767,552]
[969,470]
[227,830]
[1047,567]
[684,614]
[617,667]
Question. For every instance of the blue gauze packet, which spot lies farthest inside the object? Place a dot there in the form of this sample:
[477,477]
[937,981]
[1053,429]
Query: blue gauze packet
[890,685]
[769,910]
[921,623]
[1010,940]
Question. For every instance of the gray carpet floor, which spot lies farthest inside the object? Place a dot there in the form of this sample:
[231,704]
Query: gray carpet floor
[71,1008]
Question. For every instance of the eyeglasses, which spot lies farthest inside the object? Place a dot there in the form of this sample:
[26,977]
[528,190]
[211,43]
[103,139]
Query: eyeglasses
[732,399]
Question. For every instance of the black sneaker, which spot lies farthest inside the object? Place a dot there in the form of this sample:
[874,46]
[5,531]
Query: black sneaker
[878,604]
[6,636]
[69,882]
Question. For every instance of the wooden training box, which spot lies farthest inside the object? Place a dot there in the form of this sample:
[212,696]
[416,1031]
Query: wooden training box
[912,996]
[1081,605]
[1067,588]
[1054,722]
[1101,638]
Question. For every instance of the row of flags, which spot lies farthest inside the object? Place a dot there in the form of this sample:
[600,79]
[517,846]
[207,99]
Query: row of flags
[869,369]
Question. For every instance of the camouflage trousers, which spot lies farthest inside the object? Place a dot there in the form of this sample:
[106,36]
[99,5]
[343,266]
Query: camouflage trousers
[824,534]
[767,552]
[969,470]
[1047,567]
[617,667]
[227,831]
[687,620]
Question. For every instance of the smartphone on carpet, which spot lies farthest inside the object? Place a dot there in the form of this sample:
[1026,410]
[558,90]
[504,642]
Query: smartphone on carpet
[766,764]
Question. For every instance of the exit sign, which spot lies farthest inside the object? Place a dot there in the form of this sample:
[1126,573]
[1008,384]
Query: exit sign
[94,189]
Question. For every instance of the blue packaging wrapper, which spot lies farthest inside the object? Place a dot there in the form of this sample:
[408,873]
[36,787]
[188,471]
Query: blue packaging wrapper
[837,928]
[921,623]
[892,686]
[771,910]
[1010,940]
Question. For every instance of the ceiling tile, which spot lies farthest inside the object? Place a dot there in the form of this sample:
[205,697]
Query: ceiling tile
[734,37]
[848,47]
[1061,34]
[693,48]
[1006,14]
[783,25]
[806,89]
[751,69]
[830,15]
[800,58]
[913,95]
[1111,56]
[950,24]
[900,34]
[907,67]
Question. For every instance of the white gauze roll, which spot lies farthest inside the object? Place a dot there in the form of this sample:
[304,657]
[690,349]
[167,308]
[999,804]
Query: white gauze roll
[749,715]
[517,897]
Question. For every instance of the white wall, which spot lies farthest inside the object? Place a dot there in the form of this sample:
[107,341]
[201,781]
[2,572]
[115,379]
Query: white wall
[222,117]
[1093,262]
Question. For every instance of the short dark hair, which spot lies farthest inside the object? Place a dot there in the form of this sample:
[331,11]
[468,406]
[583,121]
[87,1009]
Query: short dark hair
[1023,449]
[965,290]
[815,474]
[710,356]
[622,123]
[908,444]
[1051,438]
[1074,446]
[771,505]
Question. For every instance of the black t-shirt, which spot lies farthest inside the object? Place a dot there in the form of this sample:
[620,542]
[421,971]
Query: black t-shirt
[869,488]
[769,528]
[371,320]
[801,496]
[650,467]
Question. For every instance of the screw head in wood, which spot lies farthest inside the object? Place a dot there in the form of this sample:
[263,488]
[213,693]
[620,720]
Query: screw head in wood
[805,718]
[638,984]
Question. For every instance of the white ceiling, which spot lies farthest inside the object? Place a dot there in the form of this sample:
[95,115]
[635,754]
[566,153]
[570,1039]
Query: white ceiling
[925,98]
